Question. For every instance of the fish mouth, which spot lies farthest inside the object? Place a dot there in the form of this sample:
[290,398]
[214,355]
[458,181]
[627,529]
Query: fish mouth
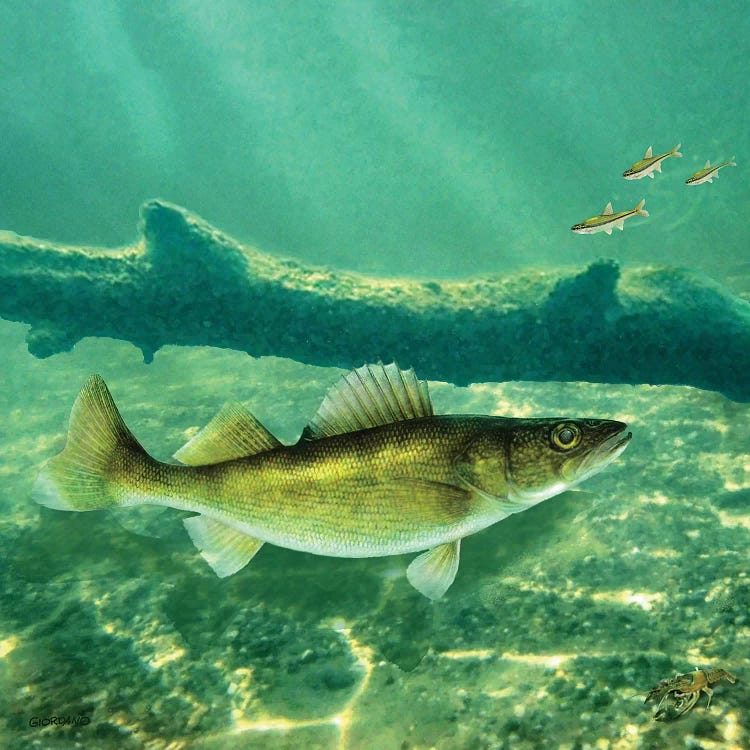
[614,445]
[606,452]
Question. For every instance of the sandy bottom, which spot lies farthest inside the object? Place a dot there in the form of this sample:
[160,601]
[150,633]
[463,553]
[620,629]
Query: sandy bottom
[559,622]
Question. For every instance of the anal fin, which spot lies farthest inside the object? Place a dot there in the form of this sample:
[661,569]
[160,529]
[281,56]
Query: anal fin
[225,549]
[433,571]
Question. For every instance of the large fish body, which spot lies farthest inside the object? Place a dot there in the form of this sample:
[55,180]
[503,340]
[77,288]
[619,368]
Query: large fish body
[375,473]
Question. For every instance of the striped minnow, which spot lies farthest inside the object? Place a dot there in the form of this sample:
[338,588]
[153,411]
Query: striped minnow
[709,173]
[649,164]
[607,219]
[374,473]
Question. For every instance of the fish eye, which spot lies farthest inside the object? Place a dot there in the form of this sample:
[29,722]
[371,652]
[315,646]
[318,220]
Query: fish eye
[565,436]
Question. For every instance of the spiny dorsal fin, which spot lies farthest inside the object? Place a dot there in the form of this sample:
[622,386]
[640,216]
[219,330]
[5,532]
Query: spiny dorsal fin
[649,153]
[232,433]
[370,396]
[707,164]
[607,209]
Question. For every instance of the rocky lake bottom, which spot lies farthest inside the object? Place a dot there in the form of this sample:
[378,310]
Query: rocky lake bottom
[559,622]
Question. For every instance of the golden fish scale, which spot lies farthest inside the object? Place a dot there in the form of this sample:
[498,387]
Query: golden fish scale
[362,493]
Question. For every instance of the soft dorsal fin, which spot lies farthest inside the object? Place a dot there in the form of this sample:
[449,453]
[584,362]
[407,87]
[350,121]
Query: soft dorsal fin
[607,209]
[232,433]
[707,164]
[649,153]
[370,396]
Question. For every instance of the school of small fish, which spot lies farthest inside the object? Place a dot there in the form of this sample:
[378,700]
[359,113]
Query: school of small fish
[608,219]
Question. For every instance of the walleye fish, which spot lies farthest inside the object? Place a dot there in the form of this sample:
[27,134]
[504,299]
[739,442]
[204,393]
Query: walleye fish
[606,220]
[649,164]
[708,173]
[374,473]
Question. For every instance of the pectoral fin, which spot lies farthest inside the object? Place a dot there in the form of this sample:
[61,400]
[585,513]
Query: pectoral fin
[433,571]
[427,503]
[225,549]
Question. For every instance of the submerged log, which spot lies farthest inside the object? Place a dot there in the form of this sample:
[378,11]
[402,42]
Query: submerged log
[184,282]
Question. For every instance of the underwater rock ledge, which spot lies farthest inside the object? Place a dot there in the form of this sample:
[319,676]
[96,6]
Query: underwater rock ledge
[184,282]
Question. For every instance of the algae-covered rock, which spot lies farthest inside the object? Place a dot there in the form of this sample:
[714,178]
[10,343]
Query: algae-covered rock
[184,282]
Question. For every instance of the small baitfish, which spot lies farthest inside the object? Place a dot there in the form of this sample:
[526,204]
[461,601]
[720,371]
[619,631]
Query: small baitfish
[708,173]
[649,164]
[607,219]
[374,473]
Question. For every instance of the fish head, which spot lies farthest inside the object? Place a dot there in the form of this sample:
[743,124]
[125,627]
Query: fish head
[549,456]
[525,461]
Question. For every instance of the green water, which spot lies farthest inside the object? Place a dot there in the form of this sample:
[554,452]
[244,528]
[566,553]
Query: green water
[435,140]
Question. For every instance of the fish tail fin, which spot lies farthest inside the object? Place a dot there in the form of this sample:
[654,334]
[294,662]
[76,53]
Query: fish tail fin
[98,443]
[640,210]
[676,151]
[732,163]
